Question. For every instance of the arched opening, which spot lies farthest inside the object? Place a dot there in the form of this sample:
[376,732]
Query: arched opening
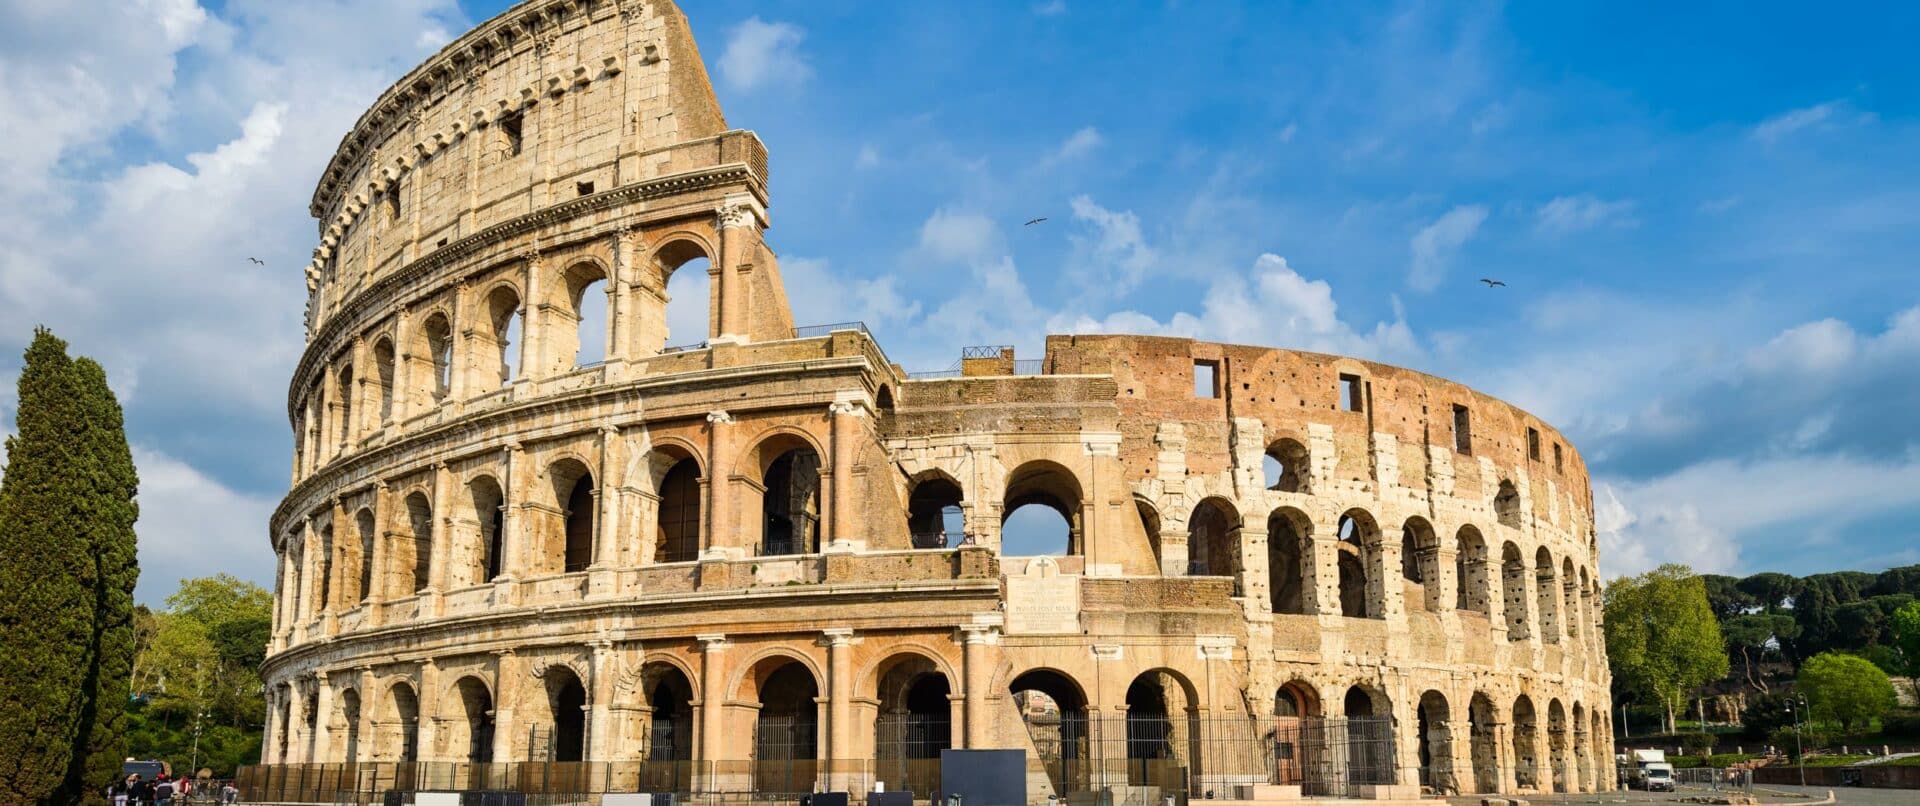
[689,286]
[934,517]
[1587,599]
[1557,744]
[586,303]
[1055,713]
[284,719]
[1420,564]
[1159,709]
[1470,568]
[325,600]
[1288,534]
[1213,540]
[363,526]
[1359,543]
[790,503]
[786,733]
[1041,512]
[310,710]
[414,551]
[1486,745]
[484,554]
[913,725]
[677,538]
[383,378]
[1150,524]
[1513,589]
[1570,595]
[1287,466]
[566,727]
[1525,733]
[1547,591]
[1582,760]
[345,399]
[474,743]
[350,725]
[669,730]
[1506,505]
[1296,746]
[580,523]
[1435,735]
[499,356]
[567,540]
[432,376]
[1369,736]
[400,732]
[1597,742]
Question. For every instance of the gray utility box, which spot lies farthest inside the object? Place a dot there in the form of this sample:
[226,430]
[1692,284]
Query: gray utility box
[983,777]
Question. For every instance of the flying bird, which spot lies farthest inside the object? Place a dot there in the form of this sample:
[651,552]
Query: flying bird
[257,261]
[1035,221]
[1492,283]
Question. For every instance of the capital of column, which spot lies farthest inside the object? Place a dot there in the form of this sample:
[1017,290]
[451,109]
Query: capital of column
[719,417]
[739,211]
[1108,651]
[711,642]
[979,634]
[838,636]
[847,407]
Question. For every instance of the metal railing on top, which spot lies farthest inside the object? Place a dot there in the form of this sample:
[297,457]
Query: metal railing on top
[815,331]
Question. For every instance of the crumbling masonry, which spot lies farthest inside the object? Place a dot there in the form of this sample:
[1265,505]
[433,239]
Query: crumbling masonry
[505,543]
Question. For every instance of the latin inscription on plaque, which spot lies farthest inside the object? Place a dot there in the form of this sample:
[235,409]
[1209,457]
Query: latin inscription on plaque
[1042,602]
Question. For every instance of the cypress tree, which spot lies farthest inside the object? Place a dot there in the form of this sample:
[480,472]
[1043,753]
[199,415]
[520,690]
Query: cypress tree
[48,577]
[100,740]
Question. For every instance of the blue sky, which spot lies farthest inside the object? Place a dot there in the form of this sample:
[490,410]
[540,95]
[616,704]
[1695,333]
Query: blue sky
[1706,215]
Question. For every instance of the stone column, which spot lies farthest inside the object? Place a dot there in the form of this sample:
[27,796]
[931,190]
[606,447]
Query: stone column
[1457,734]
[532,332]
[600,700]
[296,724]
[363,751]
[606,519]
[1391,584]
[506,680]
[402,390]
[1321,562]
[1175,551]
[1504,760]
[361,412]
[271,727]
[1446,576]
[712,705]
[438,549]
[979,721]
[620,297]
[426,740]
[510,537]
[377,580]
[319,745]
[719,531]
[840,749]
[310,560]
[845,415]
[732,220]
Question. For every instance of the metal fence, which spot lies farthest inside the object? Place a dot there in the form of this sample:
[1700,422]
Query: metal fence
[1708,779]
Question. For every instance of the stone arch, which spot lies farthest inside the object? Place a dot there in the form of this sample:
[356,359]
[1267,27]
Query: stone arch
[1470,571]
[1053,707]
[684,312]
[662,692]
[1150,523]
[1514,588]
[344,399]
[1557,740]
[1570,599]
[1288,466]
[469,720]
[324,601]
[1526,732]
[1368,722]
[1547,590]
[1506,504]
[382,376]
[674,467]
[1600,755]
[495,361]
[559,718]
[788,463]
[1051,485]
[936,517]
[582,330]
[480,552]
[1161,728]
[348,724]
[1213,539]
[1289,558]
[410,554]
[913,720]
[1361,590]
[432,348]
[1582,753]
[397,733]
[1420,563]
[1434,735]
[1482,724]
[787,724]
[564,537]
[366,532]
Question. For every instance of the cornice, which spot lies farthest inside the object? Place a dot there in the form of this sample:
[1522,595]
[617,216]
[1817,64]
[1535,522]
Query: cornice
[351,311]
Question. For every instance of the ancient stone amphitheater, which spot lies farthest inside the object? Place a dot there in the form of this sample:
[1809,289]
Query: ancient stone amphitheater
[525,534]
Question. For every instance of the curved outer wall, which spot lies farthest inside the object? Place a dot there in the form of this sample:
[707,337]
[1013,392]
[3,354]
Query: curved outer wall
[481,526]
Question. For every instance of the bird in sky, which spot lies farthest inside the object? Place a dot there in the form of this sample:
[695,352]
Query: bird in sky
[1491,283]
[1035,221]
[257,261]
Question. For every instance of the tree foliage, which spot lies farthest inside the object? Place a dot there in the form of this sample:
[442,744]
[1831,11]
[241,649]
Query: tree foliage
[1846,689]
[199,668]
[1905,625]
[1662,637]
[68,567]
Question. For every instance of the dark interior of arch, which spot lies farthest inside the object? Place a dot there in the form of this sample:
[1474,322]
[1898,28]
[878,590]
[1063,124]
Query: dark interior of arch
[580,519]
[569,717]
[1283,565]
[670,736]
[678,537]
[791,506]
[787,727]
[478,707]
[934,515]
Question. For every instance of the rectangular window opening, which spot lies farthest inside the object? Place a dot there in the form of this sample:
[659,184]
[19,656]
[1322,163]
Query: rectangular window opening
[1206,379]
[1462,429]
[1556,456]
[585,188]
[510,129]
[1353,396]
[1533,444]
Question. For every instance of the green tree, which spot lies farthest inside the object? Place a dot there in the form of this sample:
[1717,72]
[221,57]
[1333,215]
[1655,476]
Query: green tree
[1770,590]
[109,488]
[48,577]
[1755,636]
[1662,638]
[1906,641]
[199,667]
[1845,688]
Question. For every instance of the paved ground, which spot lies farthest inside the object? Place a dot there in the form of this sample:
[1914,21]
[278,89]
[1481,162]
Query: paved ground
[1766,794]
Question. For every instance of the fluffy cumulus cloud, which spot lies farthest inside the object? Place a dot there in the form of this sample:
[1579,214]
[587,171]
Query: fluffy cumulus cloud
[759,53]
[1569,214]
[1110,253]
[228,529]
[1078,144]
[953,236]
[1434,246]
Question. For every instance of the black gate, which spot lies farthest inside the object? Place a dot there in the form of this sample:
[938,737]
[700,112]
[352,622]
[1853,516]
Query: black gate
[907,751]
[786,753]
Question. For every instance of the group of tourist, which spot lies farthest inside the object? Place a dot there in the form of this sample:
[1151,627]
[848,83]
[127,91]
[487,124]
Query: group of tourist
[163,790]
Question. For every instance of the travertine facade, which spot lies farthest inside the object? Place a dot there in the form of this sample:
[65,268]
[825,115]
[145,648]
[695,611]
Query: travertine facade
[494,552]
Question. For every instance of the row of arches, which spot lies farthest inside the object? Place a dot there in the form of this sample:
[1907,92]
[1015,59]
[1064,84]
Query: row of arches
[443,352]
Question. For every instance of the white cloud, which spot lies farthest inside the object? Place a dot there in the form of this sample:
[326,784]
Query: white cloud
[956,236]
[1117,256]
[819,295]
[758,53]
[191,525]
[868,157]
[1815,347]
[1051,8]
[1434,245]
[1774,128]
[1078,144]
[1569,214]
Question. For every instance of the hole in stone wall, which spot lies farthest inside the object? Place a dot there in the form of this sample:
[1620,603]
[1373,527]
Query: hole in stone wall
[1462,429]
[583,188]
[1352,395]
[1206,379]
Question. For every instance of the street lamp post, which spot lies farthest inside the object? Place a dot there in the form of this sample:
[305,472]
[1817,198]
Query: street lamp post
[1799,751]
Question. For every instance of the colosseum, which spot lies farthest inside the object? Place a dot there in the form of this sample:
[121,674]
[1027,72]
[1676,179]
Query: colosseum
[537,538]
